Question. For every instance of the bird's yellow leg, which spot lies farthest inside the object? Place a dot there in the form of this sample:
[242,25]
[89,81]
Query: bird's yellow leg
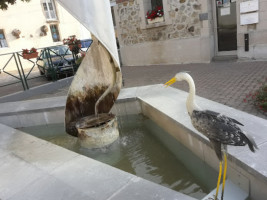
[219,180]
[224,173]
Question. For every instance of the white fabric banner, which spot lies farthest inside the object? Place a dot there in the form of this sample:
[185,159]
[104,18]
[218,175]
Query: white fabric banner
[96,16]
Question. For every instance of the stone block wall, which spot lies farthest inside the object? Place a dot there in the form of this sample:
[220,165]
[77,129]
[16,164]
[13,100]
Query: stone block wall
[184,15]
[188,34]
[183,36]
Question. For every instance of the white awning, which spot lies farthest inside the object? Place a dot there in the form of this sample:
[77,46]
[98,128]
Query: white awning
[96,16]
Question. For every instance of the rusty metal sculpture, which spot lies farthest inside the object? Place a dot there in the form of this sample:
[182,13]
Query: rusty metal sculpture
[92,94]
[97,83]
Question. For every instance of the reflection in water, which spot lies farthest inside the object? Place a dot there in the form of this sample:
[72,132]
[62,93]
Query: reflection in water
[137,152]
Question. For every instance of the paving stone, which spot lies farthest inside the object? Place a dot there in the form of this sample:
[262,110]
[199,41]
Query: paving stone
[15,175]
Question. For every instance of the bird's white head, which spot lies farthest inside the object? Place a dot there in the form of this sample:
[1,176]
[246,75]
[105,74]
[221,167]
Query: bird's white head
[178,77]
[190,103]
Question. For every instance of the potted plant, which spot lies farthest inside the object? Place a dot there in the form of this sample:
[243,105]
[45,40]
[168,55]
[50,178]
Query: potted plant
[44,30]
[73,43]
[16,33]
[156,15]
[28,54]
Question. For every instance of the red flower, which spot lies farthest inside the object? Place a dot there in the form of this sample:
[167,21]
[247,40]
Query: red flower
[157,12]
[25,51]
[33,50]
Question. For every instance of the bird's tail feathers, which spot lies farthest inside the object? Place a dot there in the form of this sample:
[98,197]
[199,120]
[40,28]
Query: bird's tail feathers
[251,142]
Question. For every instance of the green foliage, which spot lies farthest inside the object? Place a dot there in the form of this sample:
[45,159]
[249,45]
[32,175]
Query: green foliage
[259,97]
[4,3]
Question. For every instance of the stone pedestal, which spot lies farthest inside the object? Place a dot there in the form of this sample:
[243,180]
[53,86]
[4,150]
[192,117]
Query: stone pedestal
[97,131]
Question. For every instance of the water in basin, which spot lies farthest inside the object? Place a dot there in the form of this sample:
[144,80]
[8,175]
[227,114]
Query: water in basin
[140,151]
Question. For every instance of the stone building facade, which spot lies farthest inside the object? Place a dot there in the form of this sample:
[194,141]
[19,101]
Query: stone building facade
[40,23]
[189,32]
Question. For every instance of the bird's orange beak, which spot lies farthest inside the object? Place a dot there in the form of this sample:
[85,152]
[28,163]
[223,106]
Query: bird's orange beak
[170,82]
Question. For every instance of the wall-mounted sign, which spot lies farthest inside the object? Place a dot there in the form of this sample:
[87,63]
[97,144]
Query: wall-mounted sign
[249,6]
[225,11]
[249,18]
[203,16]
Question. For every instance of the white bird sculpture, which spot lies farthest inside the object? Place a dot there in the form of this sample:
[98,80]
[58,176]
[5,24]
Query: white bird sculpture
[219,129]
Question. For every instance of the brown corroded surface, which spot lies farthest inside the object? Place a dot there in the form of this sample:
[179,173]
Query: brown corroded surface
[94,120]
[98,74]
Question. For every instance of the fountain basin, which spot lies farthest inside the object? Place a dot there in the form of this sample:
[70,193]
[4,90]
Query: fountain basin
[166,107]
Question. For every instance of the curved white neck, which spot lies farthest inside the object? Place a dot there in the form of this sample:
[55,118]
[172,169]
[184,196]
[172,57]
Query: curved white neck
[190,102]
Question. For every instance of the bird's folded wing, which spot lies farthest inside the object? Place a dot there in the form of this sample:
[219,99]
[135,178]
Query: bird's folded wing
[215,114]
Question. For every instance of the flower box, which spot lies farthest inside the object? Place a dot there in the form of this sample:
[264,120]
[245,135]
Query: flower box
[155,20]
[30,55]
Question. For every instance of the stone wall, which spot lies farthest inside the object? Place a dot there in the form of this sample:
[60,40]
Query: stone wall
[184,16]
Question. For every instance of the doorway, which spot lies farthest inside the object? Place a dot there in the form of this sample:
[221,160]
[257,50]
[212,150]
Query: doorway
[226,25]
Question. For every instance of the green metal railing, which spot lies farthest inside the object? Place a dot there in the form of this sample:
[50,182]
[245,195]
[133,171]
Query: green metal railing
[19,77]
[51,69]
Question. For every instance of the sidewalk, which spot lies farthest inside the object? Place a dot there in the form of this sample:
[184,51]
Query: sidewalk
[225,82]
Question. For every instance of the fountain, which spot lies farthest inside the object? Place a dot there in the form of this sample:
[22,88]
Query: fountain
[246,170]
[97,82]
[37,168]
[91,96]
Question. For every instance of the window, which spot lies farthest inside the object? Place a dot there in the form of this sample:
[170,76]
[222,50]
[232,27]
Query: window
[148,5]
[3,42]
[49,9]
[54,32]
[156,3]
[151,4]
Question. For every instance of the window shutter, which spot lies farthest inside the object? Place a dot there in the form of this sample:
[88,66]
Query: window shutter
[52,11]
[49,9]
[46,11]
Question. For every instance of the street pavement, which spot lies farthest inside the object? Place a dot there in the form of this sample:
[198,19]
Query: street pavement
[10,82]
[225,82]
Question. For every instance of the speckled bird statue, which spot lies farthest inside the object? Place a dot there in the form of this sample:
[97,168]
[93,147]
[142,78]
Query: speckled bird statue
[219,129]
